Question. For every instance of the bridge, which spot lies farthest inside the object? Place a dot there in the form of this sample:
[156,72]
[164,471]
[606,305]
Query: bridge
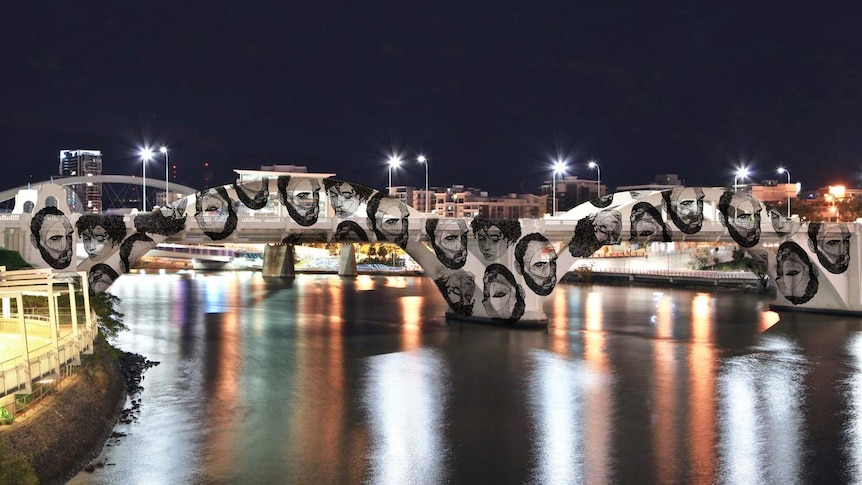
[497,270]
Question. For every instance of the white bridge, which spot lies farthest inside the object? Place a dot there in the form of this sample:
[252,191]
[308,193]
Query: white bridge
[487,269]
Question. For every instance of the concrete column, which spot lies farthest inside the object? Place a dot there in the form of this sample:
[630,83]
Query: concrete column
[278,261]
[347,263]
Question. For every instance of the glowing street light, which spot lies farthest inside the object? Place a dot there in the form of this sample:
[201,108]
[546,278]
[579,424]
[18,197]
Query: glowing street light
[595,165]
[559,167]
[393,162]
[784,170]
[422,159]
[741,173]
[164,150]
[146,156]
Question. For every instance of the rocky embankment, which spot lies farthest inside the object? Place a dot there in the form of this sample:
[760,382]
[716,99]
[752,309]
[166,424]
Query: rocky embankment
[72,427]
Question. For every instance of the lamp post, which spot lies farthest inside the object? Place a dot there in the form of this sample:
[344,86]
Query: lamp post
[423,160]
[146,156]
[784,170]
[595,165]
[559,167]
[165,151]
[741,173]
[393,162]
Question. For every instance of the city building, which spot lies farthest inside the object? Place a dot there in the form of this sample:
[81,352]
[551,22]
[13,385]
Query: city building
[86,197]
[461,201]
[571,192]
[660,182]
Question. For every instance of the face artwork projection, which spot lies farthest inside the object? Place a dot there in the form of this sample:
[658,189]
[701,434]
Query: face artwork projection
[389,219]
[831,244]
[740,213]
[301,198]
[594,231]
[344,197]
[536,260]
[51,234]
[133,248]
[784,227]
[458,288]
[603,201]
[795,276]
[449,241]
[101,276]
[685,208]
[349,231]
[494,236]
[101,234]
[253,193]
[502,296]
[167,221]
[215,214]
[647,224]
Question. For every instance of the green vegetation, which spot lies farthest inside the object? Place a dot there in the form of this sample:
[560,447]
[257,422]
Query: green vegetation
[109,319]
[12,260]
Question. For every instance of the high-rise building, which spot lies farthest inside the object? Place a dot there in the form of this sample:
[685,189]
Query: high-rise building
[84,197]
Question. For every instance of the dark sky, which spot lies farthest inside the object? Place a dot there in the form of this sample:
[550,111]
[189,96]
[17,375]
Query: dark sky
[489,93]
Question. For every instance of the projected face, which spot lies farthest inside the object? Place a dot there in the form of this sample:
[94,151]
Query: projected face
[458,288]
[607,225]
[647,224]
[302,199]
[215,214]
[253,193]
[449,241]
[389,219]
[51,234]
[491,242]
[685,207]
[536,260]
[100,234]
[796,277]
[344,199]
[741,215]
[95,240]
[831,244]
[502,297]
[100,277]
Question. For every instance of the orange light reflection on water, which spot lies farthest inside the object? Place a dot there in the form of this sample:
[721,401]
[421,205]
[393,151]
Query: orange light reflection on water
[664,393]
[411,311]
[701,399]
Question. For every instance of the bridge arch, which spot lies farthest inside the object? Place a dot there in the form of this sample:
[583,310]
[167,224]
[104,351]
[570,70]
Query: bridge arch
[486,269]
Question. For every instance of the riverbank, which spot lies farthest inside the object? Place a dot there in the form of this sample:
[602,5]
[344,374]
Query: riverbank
[60,436]
[691,279]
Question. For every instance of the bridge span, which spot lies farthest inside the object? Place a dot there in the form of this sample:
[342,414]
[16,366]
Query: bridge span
[490,269]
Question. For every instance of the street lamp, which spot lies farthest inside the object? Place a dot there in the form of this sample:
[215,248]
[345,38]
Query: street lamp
[559,167]
[165,151]
[741,173]
[422,159]
[146,156]
[595,165]
[393,162]
[784,170]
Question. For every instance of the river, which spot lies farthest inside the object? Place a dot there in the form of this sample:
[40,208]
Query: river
[323,379]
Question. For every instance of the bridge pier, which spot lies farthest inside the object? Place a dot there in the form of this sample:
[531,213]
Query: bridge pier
[347,263]
[278,261]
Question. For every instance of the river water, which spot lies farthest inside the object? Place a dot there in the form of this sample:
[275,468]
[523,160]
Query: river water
[325,380]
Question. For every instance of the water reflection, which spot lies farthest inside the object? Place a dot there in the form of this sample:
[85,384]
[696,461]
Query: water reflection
[853,428]
[761,424]
[318,380]
[569,409]
[405,399]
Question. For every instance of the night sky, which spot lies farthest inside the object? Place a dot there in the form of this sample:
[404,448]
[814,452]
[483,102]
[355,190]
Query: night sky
[489,93]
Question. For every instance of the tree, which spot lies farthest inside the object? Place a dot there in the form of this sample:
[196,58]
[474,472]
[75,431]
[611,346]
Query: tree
[110,320]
